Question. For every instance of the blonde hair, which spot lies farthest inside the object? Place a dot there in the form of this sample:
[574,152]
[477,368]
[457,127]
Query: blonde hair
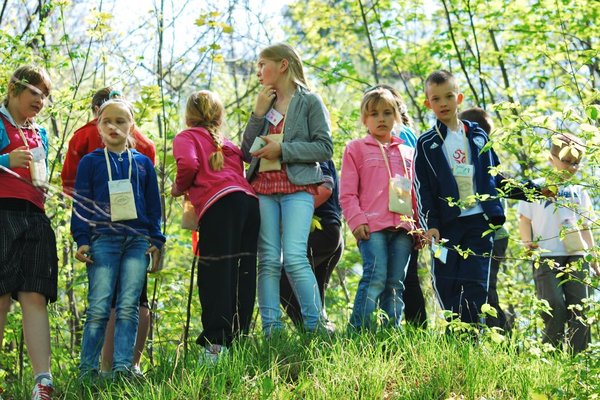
[373,98]
[28,74]
[283,51]
[124,105]
[402,108]
[205,109]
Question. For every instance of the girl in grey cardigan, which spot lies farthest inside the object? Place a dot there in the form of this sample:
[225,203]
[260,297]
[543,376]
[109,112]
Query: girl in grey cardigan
[287,136]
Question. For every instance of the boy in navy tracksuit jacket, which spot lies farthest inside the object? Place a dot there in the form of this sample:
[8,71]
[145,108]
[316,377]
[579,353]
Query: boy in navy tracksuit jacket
[452,182]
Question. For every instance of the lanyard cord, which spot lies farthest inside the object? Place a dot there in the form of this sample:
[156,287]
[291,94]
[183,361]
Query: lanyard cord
[385,159]
[465,141]
[286,113]
[23,136]
[108,167]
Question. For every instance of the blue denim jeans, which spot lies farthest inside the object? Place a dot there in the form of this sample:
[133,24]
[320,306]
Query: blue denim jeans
[284,228]
[116,258]
[385,259]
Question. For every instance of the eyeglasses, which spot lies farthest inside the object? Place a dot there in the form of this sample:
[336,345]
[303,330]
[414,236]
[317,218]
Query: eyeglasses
[574,164]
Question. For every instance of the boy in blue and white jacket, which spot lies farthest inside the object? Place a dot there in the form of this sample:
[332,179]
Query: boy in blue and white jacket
[450,164]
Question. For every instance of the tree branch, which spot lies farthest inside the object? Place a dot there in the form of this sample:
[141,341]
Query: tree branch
[458,55]
[371,48]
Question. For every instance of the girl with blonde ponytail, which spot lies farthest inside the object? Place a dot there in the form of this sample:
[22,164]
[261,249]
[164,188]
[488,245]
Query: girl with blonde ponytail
[205,109]
[210,171]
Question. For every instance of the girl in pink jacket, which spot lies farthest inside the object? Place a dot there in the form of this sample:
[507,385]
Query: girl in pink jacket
[210,170]
[378,204]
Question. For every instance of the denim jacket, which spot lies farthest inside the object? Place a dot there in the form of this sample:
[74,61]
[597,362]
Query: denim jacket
[307,139]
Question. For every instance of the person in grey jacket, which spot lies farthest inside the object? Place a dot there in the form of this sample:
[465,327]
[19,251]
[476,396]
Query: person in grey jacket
[288,134]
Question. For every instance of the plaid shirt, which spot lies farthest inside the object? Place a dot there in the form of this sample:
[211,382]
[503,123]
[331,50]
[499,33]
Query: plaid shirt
[277,182]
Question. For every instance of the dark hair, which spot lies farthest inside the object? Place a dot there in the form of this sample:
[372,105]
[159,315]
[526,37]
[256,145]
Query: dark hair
[28,74]
[103,95]
[402,108]
[478,115]
[438,78]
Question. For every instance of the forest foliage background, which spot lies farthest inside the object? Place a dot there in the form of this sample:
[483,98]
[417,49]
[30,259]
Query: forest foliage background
[534,64]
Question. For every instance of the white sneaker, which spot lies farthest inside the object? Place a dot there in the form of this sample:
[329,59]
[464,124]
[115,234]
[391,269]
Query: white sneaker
[137,371]
[42,390]
[213,353]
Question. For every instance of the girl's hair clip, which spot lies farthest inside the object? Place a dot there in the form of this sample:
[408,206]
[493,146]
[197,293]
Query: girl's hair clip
[114,93]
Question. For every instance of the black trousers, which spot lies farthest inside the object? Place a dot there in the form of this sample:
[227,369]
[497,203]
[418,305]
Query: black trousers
[462,284]
[228,234]
[562,290]
[414,303]
[498,253]
[325,249]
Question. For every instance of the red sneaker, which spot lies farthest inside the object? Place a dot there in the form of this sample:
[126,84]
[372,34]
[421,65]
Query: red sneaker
[42,390]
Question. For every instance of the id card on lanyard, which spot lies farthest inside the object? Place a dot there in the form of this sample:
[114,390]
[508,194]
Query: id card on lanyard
[122,201]
[37,167]
[399,188]
[463,173]
[274,117]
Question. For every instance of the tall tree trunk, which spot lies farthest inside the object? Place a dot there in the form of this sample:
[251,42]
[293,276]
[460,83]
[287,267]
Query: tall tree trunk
[524,161]
[458,52]
[371,48]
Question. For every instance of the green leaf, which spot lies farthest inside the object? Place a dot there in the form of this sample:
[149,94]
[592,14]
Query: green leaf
[315,223]
[489,310]
[593,111]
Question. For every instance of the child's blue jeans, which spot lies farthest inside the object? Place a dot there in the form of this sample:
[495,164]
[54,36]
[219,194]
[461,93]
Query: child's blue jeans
[116,258]
[385,259]
[284,228]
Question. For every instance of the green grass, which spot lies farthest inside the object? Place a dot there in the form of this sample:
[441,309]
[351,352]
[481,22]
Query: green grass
[412,364]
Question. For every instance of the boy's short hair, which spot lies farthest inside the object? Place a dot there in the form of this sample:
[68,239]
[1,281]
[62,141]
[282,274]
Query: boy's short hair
[440,77]
[559,141]
[479,115]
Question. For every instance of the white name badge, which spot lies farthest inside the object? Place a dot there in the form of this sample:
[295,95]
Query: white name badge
[37,167]
[439,252]
[38,154]
[120,186]
[122,202]
[258,144]
[463,170]
[274,117]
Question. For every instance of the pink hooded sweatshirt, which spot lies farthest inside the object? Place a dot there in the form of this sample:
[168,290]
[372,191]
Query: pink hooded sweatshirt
[192,149]
[364,193]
